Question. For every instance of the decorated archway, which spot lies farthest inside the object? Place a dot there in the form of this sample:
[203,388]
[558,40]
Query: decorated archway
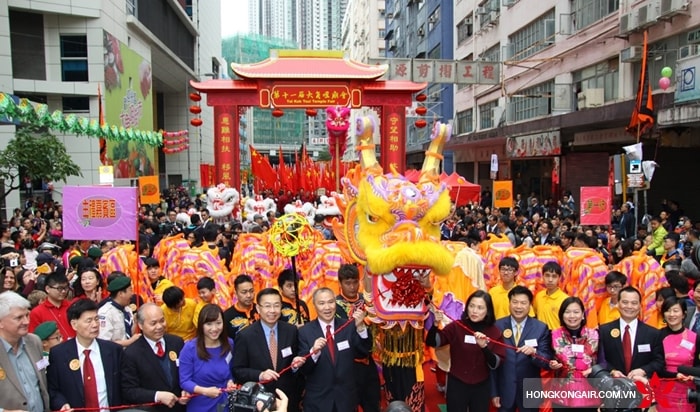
[305,79]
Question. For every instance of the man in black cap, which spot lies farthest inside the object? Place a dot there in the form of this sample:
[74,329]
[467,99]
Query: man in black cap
[116,318]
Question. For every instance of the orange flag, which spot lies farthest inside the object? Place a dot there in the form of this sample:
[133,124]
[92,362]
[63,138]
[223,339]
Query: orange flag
[643,113]
[503,194]
[149,190]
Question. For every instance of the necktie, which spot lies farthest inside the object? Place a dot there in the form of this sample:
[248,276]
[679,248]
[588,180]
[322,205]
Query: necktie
[627,348]
[517,334]
[696,324]
[159,349]
[273,349]
[330,343]
[89,383]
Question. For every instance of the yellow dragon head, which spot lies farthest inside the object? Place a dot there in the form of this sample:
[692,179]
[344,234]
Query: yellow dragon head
[392,228]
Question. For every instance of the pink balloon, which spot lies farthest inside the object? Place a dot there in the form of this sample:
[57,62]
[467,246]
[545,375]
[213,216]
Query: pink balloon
[664,83]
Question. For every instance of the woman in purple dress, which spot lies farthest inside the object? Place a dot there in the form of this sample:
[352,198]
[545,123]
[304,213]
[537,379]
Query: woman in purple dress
[205,362]
[680,348]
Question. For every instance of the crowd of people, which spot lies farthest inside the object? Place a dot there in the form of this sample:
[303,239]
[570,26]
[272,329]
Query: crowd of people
[78,338]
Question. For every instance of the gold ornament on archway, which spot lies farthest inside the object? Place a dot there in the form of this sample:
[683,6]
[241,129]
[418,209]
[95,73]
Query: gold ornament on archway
[291,234]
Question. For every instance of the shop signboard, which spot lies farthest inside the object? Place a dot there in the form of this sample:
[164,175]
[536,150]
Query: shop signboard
[545,144]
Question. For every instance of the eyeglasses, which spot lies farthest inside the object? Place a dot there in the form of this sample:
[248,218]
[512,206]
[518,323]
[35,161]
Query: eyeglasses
[507,269]
[613,286]
[61,289]
[57,338]
[276,306]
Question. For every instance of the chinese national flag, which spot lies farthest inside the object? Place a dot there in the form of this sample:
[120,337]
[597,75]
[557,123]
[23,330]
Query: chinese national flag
[262,169]
[643,113]
[284,176]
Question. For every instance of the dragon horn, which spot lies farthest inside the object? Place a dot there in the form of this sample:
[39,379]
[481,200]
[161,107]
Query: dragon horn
[364,132]
[433,156]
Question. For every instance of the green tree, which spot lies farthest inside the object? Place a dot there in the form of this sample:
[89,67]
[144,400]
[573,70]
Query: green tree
[36,153]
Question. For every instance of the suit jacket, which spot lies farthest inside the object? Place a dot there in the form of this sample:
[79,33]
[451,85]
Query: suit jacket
[11,391]
[547,240]
[66,385]
[610,352]
[690,315]
[143,375]
[251,356]
[507,380]
[329,384]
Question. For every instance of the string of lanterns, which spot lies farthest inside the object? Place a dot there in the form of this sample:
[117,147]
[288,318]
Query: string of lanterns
[175,142]
[421,110]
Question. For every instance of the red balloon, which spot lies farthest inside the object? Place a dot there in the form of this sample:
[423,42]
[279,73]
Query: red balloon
[664,83]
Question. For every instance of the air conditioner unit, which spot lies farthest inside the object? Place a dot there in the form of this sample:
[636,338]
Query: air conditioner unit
[421,32]
[690,50]
[508,3]
[481,11]
[627,23]
[432,19]
[590,98]
[631,54]
[392,44]
[670,8]
[494,17]
[647,15]
[468,21]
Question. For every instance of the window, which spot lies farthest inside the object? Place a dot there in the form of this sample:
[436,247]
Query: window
[465,121]
[465,29]
[74,63]
[131,7]
[531,38]
[486,114]
[492,55]
[532,102]
[433,19]
[382,33]
[76,104]
[587,12]
[604,75]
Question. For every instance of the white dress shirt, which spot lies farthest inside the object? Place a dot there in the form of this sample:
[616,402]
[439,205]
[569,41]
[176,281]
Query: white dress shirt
[96,359]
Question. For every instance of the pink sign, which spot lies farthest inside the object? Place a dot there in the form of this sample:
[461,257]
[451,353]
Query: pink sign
[98,213]
[595,205]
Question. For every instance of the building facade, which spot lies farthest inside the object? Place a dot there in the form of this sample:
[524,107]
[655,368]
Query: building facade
[569,77]
[141,54]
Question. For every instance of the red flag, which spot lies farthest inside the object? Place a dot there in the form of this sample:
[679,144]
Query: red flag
[284,173]
[643,113]
[262,169]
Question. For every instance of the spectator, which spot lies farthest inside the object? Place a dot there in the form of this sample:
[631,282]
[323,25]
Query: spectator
[179,313]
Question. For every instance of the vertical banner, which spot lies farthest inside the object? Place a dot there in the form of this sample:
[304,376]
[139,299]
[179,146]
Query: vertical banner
[556,170]
[96,213]
[503,194]
[393,150]
[149,190]
[494,167]
[223,147]
[595,205]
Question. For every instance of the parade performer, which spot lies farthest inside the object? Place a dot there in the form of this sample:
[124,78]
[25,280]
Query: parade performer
[222,202]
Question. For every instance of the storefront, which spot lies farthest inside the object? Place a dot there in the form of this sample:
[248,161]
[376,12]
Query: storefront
[473,161]
[535,163]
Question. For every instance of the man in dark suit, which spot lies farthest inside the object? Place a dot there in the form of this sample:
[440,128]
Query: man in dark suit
[545,237]
[334,345]
[20,391]
[252,363]
[533,340]
[645,350]
[70,382]
[150,365]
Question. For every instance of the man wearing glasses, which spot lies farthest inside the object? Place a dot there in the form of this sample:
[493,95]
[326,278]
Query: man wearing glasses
[55,307]
[508,271]
[252,363]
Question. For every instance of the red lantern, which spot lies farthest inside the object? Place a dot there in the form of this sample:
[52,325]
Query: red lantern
[421,110]
[311,112]
[420,123]
[197,110]
[196,122]
[195,97]
[278,113]
[421,97]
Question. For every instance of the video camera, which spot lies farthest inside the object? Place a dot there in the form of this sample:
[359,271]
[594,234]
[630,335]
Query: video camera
[692,396]
[246,398]
[601,379]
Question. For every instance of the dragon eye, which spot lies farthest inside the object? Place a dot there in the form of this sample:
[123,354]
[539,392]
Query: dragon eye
[372,219]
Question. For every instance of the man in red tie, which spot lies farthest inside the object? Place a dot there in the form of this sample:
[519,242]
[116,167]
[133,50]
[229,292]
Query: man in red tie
[150,366]
[334,344]
[84,372]
[628,347]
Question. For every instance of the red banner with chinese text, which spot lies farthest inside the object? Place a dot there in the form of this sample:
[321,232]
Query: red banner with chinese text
[595,205]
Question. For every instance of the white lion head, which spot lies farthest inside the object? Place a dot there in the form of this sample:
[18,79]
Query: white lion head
[221,201]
